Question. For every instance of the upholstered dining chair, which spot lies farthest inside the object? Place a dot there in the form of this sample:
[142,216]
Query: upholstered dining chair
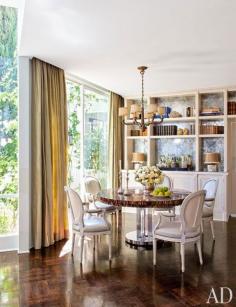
[92,188]
[184,231]
[83,225]
[210,186]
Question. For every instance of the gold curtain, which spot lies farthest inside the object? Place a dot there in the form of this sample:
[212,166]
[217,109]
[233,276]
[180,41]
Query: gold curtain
[49,154]
[115,139]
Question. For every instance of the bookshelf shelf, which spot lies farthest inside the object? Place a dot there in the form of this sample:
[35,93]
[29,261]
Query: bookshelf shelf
[213,117]
[172,136]
[158,148]
[178,119]
[195,143]
[211,135]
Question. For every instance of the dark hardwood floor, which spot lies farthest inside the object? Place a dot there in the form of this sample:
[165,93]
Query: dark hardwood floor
[51,277]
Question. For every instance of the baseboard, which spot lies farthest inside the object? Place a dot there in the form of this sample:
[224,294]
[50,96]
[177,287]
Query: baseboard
[221,217]
[24,252]
[8,250]
[233,215]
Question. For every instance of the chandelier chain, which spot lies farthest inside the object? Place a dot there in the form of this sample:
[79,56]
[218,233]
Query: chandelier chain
[142,73]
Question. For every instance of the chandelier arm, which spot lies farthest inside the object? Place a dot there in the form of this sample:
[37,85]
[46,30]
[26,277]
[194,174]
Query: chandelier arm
[160,121]
[127,124]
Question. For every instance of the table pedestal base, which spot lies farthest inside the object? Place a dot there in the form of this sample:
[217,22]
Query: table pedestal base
[133,238]
[142,236]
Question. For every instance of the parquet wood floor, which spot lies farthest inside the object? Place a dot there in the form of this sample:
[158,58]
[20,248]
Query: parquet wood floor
[50,277]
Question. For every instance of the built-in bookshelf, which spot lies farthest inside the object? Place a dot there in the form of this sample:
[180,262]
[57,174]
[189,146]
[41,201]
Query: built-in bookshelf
[200,127]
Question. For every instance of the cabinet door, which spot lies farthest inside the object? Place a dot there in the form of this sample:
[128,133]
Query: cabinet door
[184,181]
[220,208]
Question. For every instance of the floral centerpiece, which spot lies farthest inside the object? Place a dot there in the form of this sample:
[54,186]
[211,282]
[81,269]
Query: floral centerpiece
[149,176]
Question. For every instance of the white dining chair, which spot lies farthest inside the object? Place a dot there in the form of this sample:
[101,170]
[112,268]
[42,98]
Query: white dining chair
[210,186]
[167,182]
[186,230]
[92,188]
[86,225]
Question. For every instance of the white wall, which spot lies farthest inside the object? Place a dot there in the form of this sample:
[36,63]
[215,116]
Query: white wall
[24,154]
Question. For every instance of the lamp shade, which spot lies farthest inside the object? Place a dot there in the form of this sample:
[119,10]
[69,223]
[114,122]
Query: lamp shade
[135,108]
[212,158]
[123,111]
[152,108]
[161,110]
[138,157]
[148,115]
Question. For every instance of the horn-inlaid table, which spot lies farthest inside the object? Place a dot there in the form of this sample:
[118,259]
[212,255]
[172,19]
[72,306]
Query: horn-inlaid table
[144,204]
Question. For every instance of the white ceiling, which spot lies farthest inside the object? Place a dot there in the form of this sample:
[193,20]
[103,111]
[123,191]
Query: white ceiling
[187,44]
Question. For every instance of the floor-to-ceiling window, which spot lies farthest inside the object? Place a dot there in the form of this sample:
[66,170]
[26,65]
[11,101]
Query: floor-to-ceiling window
[8,122]
[88,133]
[96,135]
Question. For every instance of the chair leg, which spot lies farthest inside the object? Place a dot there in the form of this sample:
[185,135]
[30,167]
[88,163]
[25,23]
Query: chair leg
[94,241]
[199,248]
[117,218]
[73,243]
[212,229]
[202,226]
[154,251]
[182,253]
[110,246]
[81,248]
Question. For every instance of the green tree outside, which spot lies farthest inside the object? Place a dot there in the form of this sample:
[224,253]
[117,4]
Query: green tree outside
[8,119]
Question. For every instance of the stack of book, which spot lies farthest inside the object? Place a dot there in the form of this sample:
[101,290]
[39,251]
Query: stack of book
[210,129]
[232,107]
[211,111]
[165,130]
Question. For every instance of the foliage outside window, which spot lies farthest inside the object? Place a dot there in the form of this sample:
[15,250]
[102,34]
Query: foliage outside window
[74,131]
[8,120]
[88,112]
[96,135]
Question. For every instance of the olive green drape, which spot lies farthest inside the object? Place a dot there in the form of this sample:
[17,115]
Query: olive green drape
[115,139]
[49,154]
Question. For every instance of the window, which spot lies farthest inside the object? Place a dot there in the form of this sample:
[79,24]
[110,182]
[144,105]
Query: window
[96,135]
[88,134]
[74,130]
[8,121]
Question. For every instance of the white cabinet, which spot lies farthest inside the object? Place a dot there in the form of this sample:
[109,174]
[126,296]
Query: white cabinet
[184,180]
[194,181]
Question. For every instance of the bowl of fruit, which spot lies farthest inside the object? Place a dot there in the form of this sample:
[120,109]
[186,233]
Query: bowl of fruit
[161,192]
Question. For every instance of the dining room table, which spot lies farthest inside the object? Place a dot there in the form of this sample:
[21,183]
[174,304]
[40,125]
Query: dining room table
[144,205]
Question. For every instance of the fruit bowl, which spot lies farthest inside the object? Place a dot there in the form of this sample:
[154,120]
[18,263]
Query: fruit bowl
[161,192]
[160,196]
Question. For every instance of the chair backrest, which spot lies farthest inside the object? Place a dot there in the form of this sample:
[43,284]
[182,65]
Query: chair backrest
[76,206]
[210,186]
[191,211]
[167,182]
[92,185]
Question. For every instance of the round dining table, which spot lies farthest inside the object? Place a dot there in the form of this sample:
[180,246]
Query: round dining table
[144,204]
